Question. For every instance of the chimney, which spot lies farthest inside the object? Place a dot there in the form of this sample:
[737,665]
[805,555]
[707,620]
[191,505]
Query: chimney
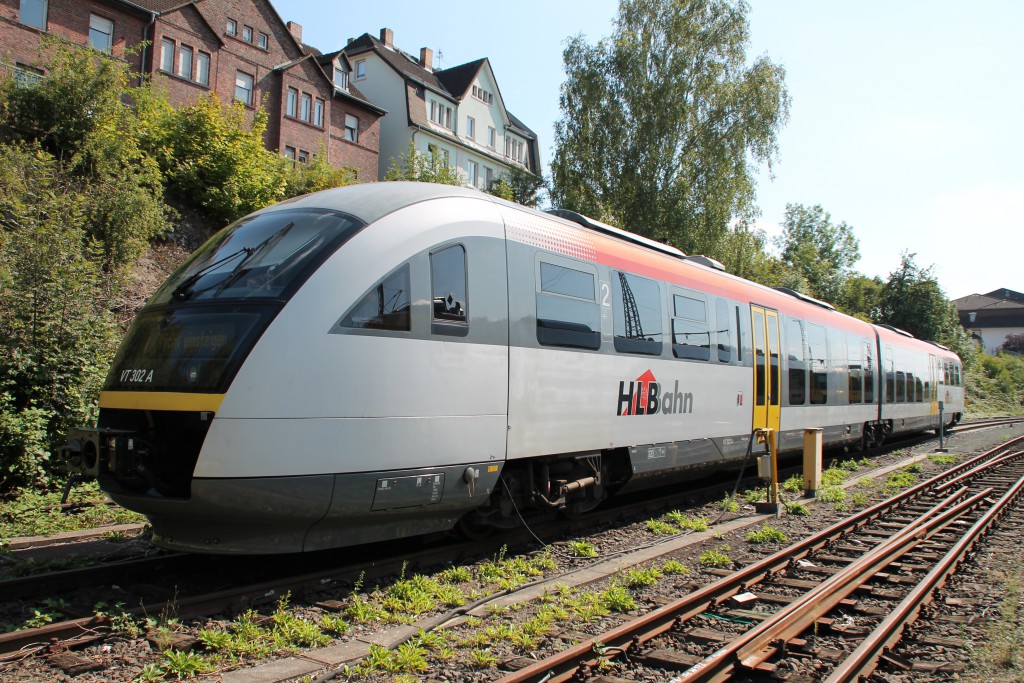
[427,58]
[387,36]
[295,30]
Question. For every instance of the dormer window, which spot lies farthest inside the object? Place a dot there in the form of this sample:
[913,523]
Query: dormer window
[340,77]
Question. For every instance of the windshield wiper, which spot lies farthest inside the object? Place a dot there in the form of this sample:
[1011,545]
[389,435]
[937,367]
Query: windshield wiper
[183,292]
[237,271]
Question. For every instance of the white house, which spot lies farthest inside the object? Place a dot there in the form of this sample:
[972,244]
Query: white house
[989,318]
[457,113]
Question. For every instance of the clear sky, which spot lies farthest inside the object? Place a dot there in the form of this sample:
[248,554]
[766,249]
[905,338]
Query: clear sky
[907,118]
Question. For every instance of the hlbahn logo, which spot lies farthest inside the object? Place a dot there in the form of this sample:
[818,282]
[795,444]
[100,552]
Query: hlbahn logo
[642,397]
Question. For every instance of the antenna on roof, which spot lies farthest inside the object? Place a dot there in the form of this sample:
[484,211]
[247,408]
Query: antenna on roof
[440,56]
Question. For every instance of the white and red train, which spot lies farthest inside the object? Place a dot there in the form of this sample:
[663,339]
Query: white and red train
[385,360]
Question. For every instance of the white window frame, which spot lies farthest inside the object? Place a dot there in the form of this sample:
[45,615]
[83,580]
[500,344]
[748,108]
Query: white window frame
[232,28]
[240,84]
[264,41]
[203,68]
[167,55]
[28,10]
[292,102]
[318,112]
[247,33]
[492,136]
[473,173]
[185,54]
[471,128]
[305,106]
[360,69]
[340,78]
[351,128]
[97,29]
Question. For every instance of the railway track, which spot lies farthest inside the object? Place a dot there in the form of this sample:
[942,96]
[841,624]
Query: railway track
[329,572]
[774,617]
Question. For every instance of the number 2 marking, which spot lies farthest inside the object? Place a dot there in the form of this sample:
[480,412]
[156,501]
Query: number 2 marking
[606,293]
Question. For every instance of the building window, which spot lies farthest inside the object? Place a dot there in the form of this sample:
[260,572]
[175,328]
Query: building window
[488,177]
[318,113]
[307,104]
[361,69]
[473,173]
[247,33]
[264,40]
[492,137]
[351,128]
[203,68]
[289,153]
[483,95]
[293,101]
[340,78]
[243,87]
[167,55]
[101,33]
[232,28]
[471,128]
[185,62]
[33,13]
[303,156]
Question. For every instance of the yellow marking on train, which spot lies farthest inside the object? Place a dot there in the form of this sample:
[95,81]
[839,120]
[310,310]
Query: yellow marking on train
[492,468]
[160,400]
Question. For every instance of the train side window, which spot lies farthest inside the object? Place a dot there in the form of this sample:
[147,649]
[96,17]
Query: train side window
[817,347]
[774,394]
[956,372]
[945,372]
[797,362]
[739,336]
[855,365]
[448,291]
[869,373]
[725,335]
[890,377]
[911,384]
[637,310]
[691,335]
[385,307]
[567,310]
[901,386]
[918,390]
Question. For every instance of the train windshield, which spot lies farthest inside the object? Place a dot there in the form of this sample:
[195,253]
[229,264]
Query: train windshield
[264,256]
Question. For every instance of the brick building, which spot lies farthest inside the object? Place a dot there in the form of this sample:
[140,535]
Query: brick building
[240,49]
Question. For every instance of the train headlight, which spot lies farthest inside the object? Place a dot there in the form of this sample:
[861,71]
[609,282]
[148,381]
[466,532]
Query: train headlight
[193,374]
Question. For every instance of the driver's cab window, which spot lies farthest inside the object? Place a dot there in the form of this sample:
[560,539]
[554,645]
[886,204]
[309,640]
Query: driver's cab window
[448,291]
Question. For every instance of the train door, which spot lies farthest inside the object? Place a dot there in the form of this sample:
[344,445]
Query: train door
[767,370]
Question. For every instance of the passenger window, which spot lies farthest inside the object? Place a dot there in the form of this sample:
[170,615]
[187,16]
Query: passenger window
[869,373]
[385,307]
[725,335]
[956,372]
[919,390]
[691,335]
[890,377]
[567,310]
[855,366]
[448,291]
[817,347]
[911,398]
[637,309]
[797,363]
[901,387]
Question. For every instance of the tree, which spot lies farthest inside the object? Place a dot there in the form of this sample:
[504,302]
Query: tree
[425,168]
[859,296]
[663,123]
[1014,343]
[822,252]
[912,300]
[742,252]
[518,185]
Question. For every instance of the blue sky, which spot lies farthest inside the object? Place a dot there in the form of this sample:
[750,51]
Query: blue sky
[906,120]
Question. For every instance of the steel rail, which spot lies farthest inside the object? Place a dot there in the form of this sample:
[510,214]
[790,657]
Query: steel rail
[860,663]
[563,665]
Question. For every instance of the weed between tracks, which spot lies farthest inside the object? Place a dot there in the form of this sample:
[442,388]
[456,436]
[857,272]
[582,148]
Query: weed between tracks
[39,514]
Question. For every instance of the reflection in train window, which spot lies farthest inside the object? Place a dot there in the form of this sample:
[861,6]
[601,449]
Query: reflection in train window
[817,348]
[385,307]
[567,310]
[725,334]
[448,291]
[691,335]
[637,311]
[797,365]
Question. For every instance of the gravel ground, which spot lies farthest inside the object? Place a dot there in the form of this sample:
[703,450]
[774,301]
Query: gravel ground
[561,612]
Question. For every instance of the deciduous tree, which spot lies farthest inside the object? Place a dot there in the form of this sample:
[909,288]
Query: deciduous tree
[663,123]
[822,252]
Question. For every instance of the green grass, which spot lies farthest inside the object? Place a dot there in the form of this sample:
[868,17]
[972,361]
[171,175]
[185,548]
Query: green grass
[38,513]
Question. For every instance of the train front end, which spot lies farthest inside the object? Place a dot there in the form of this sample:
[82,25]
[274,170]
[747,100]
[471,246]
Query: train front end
[176,365]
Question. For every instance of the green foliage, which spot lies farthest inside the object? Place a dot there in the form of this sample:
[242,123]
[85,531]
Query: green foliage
[898,481]
[796,508]
[1014,343]
[942,458]
[912,300]
[686,522]
[766,534]
[833,476]
[660,528]
[831,494]
[729,504]
[821,252]
[716,557]
[518,185]
[641,577]
[425,168]
[674,567]
[995,385]
[315,176]
[56,330]
[794,484]
[213,157]
[582,549]
[617,599]
[662,123]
